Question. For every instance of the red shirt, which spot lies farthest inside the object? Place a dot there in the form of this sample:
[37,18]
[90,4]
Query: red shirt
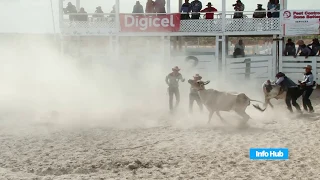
[210,12]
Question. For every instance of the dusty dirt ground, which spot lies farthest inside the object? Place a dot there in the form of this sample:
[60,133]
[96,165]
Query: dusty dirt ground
[167,147]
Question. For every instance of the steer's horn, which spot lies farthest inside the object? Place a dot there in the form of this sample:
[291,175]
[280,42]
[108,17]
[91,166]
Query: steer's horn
[207,82]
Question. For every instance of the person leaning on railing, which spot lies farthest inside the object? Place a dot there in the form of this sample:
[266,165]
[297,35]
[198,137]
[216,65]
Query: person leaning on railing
[99,14]
[239,8]
[209,11]
[303,50]
[137,8]
[269,7]
[239,49]
[112,15]
[70,9]
[259,12]
[275,8]
[315,47]
[83,16]
[160,6]
[150,7]
[196,7]
[290,48]
[185,10]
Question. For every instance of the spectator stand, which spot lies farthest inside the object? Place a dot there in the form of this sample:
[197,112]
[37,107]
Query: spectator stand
[296,24]
[111,27]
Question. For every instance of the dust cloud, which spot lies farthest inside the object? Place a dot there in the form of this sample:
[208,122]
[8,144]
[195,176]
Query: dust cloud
[37,83]
[81,118]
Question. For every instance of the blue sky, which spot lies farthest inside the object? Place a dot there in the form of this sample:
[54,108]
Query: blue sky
[34,16]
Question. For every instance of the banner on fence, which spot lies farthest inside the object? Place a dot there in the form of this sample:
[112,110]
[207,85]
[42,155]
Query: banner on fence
[150,23]
[301,22]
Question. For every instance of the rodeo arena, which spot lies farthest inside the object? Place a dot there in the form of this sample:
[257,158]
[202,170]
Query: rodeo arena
[195,92]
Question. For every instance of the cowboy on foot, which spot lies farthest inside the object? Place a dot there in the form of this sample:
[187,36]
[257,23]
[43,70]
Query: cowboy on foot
[172,80]
[292,90]
[194,95]
[307,88]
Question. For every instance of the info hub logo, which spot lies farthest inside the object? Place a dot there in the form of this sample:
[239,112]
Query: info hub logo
[269,153]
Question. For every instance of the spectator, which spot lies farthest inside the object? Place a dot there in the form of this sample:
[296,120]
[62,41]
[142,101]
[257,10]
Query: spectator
[185,10]
[196,7]
[98,13]
[315,46]
[303,50]
[160,6]
[259,12]
[269,6]
[150,7]
[239,49]
[83,16]
[239,8]
[70,9]
[112,13]
[275,9]
[138,8]
[290,48]
[209,11]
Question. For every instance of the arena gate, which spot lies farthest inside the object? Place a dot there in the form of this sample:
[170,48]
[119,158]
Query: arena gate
[257,68]
[293,67]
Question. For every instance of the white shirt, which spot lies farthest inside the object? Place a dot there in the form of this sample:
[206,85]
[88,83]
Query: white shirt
[308,79]
[279,80]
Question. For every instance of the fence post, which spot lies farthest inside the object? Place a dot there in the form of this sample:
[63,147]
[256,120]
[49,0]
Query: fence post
[248,68]
[314,68]
[117,15]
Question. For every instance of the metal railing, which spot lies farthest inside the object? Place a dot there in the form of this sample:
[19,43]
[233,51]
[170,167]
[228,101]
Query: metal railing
[111,21]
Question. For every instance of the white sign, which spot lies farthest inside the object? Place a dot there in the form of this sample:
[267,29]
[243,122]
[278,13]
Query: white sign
[298,22]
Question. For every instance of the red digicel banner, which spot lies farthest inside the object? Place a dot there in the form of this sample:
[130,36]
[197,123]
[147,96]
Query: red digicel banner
[150,23]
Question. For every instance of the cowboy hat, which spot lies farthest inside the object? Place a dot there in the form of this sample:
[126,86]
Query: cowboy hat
[308,67]
[280,74]
[300,42]
[176,68]
[209,4]
[198,76]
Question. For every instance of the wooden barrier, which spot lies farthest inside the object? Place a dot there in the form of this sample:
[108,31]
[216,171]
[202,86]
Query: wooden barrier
[251,67]
[293,67]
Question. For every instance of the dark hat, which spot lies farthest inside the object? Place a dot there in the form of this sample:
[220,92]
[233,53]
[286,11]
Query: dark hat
[259,4]
[280,74]
[209,4]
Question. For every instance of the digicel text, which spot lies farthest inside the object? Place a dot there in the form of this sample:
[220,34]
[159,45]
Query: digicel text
[146,22]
